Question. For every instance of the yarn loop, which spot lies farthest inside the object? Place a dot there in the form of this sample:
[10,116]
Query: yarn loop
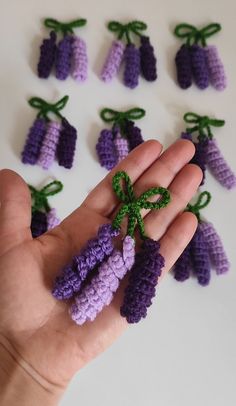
[65,28]
[195,36]
[203,201]
[203,124]
[45,107]
[39,197]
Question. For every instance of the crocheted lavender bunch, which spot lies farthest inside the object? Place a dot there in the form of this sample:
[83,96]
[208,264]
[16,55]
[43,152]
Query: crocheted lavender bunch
[204,251]
[44,217]
[207,153]
[115,144]
[69,56]
[197,60]
[49,139]
[136,60]
[95,274]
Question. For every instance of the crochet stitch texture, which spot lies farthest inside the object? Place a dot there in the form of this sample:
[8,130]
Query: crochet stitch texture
[113,61]
[47,56]
[34,141]
[148,60]
[49,145]
[132,66]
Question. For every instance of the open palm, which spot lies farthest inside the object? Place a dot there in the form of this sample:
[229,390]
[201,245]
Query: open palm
[35,327]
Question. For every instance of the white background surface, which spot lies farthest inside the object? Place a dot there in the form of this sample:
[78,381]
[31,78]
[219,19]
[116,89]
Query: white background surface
[185,352]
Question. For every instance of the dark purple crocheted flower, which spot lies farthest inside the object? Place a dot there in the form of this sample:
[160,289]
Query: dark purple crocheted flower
[183,67]
[34,141]
[132,66]
[66,145]
[106,150]
[148,60]
[47,56]
[186,136]
[199,66]
[63,57]
[38,223]
[200,157]
[142,282]
[183,265]
[200,257]
[133,134]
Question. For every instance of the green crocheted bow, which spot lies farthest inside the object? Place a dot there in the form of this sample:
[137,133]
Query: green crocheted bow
[202,124]
[45,108]
[40,197]
[195,36]
[202,201]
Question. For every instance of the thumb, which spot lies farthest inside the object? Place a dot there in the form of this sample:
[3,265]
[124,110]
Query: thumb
[15,209]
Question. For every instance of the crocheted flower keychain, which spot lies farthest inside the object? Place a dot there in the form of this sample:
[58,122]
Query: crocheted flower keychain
[50,139]
[197,60]
[69,56]
[95,273]
[205,249]
[137,60]
[207,152]
[114,145]
[44,217]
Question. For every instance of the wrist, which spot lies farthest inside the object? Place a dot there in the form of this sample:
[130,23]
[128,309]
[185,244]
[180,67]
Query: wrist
[20,384]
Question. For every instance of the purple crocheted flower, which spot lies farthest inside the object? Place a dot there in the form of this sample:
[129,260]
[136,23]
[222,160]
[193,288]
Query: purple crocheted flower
[186,136]
[200,156]
[183,67]
[122,146]
[34,141]
[200,257]
[100,291]
[183,265]
[38,223]
[219,167]
[47,56]
[215,247]
[199,66]
[148,60]
[132,66]
[49,145]
[142,282]
[133,134]
[63,57]
[66,284]
[106,150]
[113,61]
[215,67]
[52,219]
[66,145]
[79,63]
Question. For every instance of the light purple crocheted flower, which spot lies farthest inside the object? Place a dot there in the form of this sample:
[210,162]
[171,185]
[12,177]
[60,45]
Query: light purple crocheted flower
[100,291]
[52,219]
[79,62]
[122,146]
[218,166]
[113,61]
[49,145]
[215,67]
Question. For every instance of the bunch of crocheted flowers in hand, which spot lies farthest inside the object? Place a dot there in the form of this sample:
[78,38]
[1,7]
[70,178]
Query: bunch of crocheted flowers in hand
[198,61]
[69,56]
[204,251]
[115,144]
[207,152]
[95,273]
[44,217]
[136,60]
[50,140]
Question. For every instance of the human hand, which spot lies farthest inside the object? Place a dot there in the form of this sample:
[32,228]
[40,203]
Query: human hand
[36,332]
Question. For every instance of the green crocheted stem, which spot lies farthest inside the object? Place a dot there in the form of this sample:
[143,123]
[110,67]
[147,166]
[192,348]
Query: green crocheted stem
[202,125]
[195,36]
[40,197]
[203,200]
[65,28]
[45,108]
[124,30]
[132,205]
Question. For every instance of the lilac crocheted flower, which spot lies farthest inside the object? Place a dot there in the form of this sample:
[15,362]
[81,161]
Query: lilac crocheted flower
[148,60]
[215,67]
[200,257]
[63,57]
[47,56]
[122,146]
[183,67]
[49,145]
[132,66]
[215,247]
[219,167]
[183,265]
[142,282]
[38,224]
[79,63]
[113,61]
[199,66]
[34,141]
[106,150]
[66,145]
[52,219]
[100,291]
[200,156]
[133,134]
